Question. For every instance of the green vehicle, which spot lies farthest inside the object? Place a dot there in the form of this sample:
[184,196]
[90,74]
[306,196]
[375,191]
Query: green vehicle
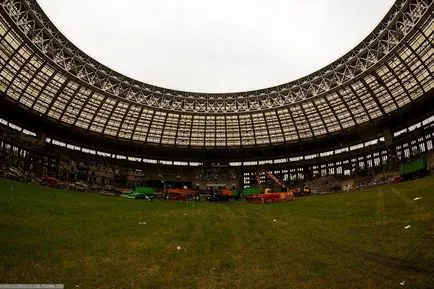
[248,191]
[146,193]
[414,168]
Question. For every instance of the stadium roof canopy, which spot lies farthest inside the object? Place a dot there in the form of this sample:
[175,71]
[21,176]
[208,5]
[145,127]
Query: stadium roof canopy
[46,74]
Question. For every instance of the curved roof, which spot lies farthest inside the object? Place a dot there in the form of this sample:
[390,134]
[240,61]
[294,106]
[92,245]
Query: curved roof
[43,71]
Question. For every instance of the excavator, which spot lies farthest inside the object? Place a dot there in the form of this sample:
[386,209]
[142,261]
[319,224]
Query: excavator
[268,196]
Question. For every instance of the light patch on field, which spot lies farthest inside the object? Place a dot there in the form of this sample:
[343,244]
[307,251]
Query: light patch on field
[380,207]
[416,212]
[407,200]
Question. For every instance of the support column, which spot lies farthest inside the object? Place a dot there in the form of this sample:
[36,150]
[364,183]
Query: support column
[392,161]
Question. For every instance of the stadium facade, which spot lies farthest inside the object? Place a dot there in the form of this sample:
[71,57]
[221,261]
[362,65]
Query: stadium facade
[65,114]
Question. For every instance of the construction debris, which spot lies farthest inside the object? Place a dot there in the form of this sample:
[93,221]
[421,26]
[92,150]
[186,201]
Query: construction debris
[329,184]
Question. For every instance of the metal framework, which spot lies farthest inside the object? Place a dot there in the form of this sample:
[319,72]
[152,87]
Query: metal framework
[42,70]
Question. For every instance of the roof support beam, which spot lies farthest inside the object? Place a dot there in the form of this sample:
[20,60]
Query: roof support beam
[56,71]
[123,118]
[320,116]
[50,79]
[399,80]
[225,130]
[411,72]
[56,96]
[19,70]
[12,56]
[70,100]
[163,128]
[35,73]
[267,127]
[333,110]
[191,131]
[374,97]
[420,60]
[149,126]
[295,124]
[133,132]
[9,29]
[97,111]
[362,104]
[255,137]
[177,129]
[348,109]
[280,125]
[427,38]
[383,84]
[83,106]
[307,119]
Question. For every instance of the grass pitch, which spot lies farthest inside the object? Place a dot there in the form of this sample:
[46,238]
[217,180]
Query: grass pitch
[344,240]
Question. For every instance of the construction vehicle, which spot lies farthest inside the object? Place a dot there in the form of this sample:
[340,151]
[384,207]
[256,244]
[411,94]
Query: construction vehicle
[146,193]
[414,168]
[247,191]
[180,194]
[222,195]
[268,195]
[302,191]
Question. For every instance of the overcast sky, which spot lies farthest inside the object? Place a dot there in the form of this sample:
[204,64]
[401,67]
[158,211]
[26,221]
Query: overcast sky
[216,45]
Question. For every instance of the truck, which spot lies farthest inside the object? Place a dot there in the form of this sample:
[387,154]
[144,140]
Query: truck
[303,190]
[248,191]
[414,168]
[180,194]
[147,193]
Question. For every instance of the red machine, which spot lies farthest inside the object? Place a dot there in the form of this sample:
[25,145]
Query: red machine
[180,194]
[269,197]
[48,181]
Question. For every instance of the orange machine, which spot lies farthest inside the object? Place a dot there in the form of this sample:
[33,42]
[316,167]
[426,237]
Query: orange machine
[226,192]
[180,194]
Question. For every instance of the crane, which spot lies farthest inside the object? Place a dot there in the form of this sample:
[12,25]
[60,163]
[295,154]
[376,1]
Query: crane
[267,196]
[272,177]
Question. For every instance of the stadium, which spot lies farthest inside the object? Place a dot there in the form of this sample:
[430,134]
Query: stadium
[363,123]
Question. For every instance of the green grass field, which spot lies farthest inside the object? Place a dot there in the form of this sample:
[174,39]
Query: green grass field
[344,240]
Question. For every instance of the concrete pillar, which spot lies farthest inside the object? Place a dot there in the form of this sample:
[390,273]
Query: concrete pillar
[388,137]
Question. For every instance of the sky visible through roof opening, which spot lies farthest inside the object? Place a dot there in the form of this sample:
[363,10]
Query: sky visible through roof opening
[216,46]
